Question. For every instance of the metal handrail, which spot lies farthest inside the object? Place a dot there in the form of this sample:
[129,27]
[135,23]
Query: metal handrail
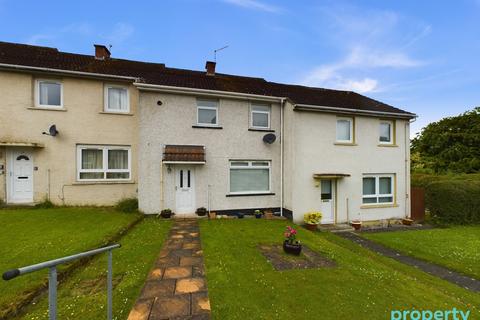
[52,276]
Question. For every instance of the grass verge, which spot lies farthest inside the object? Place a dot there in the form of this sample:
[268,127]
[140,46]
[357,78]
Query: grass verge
[457,248]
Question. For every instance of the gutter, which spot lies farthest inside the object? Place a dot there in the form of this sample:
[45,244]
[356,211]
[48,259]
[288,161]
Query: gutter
[205,92]
[67,72]
[309,107]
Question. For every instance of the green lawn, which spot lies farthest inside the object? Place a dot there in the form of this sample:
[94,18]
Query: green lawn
[34,235]
[83,296]
[456,247]
[242,283]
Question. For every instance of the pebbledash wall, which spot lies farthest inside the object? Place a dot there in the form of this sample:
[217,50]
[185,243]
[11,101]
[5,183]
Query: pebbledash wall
[81,121]
[171,123]
[310,148]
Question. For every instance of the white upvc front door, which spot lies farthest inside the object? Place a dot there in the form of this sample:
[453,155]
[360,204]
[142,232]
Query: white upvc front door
[20,175]
[327,198]
[184,190]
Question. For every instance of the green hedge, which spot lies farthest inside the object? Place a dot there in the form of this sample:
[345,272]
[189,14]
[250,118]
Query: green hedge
[128,205]
[453,201]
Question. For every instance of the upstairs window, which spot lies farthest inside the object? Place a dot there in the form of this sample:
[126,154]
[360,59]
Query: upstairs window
[49,94]
[260,116]
[378,189]
[386,132]
[345,130]
[117,99]
[207,112]
[100,163]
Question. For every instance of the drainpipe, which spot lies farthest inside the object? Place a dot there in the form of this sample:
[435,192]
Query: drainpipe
[407,145]
[282,105]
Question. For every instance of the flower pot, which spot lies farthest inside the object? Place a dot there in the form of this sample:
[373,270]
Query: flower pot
[212,215]
[356,225]
[165,215]
[258,216]
[407,221]
[292,248]
[311,227]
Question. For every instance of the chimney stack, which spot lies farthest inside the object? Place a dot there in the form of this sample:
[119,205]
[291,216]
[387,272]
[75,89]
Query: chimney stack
[210,67]
[101,52]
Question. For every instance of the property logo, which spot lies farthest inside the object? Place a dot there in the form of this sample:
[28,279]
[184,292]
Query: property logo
[452,314]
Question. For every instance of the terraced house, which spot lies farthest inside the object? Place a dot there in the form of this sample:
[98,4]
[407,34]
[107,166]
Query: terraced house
[80,129]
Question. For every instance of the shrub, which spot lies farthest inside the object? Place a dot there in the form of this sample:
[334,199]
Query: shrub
[45,204]
[312,217]
[128,205]
[454,201]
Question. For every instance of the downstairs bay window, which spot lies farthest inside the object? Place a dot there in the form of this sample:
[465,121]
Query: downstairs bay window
[378,189]
[103,163]
[249,177]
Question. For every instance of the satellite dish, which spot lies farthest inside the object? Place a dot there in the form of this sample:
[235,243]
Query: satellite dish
[52,131]
[269,138]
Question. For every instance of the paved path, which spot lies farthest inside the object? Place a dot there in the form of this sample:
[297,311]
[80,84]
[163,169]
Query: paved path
[176,287]
[433,269]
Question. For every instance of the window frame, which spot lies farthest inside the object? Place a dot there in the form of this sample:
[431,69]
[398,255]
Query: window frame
[250,166]
[37,94]
[392,133]
[198,123]
[352,127]
[106,107]
[269,114]
[105,169]
[377,194]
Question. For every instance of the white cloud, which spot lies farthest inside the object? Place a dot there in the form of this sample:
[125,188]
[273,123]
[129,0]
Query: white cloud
[255,5]
[39,38]
[368,40]
[119,34]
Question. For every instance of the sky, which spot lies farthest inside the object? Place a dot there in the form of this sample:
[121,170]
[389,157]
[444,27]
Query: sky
[420,56]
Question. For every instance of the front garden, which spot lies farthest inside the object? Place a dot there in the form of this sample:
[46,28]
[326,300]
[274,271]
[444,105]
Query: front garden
[248,274]
[35,235]
[362,285]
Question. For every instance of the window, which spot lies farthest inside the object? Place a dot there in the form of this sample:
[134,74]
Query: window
[378,189]
[249,177]
[386,132]
[260,116]
[97,163]
[49,94]
[117,99]
[207,112]
[345,130]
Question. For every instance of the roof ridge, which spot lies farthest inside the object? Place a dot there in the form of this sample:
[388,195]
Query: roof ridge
[29,45]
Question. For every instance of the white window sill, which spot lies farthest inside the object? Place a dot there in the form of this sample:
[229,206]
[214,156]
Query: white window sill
[117,113]
[261,129]
[378,205]
[77,183]
[206,126]
[388,145]
[48,108]
[339,143]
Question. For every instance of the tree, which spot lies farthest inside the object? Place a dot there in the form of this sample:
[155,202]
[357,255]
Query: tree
[449,145]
